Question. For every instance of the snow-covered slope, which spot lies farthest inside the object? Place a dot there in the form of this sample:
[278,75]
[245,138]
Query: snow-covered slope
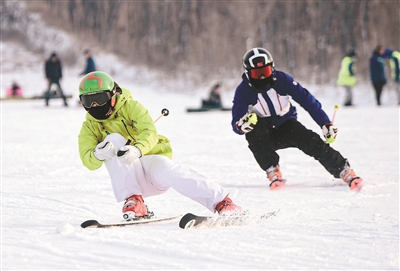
[47,193]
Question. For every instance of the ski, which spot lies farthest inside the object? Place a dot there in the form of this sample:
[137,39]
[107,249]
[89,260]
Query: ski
[191,221]
[96,224]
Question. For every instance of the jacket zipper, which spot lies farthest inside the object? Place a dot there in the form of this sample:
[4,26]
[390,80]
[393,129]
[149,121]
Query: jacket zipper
[126,128]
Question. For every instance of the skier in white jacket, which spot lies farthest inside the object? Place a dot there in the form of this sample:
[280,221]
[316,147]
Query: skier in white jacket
[262,110]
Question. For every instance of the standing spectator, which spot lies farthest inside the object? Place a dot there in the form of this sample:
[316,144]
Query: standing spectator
[90,66]
[53,72]
[377,72]
[347,77]
[394,60]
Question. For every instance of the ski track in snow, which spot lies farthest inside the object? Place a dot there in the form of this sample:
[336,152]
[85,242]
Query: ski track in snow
[47,193]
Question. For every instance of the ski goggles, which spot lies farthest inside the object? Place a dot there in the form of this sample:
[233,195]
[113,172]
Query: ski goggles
[98,98]
[256,73]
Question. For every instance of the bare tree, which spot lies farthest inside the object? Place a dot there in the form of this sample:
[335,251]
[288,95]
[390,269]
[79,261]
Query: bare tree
[307,38]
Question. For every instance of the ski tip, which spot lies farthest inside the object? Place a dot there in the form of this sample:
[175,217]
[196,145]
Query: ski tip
[187,221]
[90,224]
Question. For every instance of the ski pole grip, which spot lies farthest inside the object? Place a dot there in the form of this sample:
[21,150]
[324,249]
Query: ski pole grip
[164,112]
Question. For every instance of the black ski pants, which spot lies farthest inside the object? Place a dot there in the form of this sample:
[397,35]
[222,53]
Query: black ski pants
[264,141]
[47,94]
[378,87]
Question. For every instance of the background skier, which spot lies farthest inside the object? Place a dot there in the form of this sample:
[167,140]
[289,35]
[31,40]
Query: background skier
[90,66]
[377,72]
[347,77]
[394,62]
[53,71]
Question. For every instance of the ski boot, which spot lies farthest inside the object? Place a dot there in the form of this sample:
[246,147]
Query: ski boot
[349,176]
[227,207]
[275,176]
[135,209]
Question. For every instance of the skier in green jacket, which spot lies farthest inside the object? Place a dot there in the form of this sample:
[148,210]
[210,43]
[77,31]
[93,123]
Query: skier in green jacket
[119,132]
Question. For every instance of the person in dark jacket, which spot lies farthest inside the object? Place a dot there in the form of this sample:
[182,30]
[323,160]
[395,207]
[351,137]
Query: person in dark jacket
[263,112]
[377,72]
[53,71]
[214,99]
[90,66]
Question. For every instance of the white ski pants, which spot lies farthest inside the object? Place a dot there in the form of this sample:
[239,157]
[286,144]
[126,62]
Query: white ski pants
[153,175]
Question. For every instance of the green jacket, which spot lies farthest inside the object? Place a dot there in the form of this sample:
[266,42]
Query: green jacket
[394,65]
[346,74]
[132,121]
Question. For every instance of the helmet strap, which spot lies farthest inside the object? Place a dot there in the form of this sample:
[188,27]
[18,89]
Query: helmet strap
[113,101]
[262,84]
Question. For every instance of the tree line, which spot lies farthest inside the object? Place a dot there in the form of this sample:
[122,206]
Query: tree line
[203,40]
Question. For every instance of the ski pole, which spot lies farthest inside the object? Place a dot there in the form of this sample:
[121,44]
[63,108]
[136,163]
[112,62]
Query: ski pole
[335,108]
[330,140]
[164,112]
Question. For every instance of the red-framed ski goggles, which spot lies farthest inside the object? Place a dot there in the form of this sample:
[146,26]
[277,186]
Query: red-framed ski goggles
[98,98]
[256,73]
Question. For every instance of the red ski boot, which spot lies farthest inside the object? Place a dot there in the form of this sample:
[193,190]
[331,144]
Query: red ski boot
[134,207]
[349,176]
[227,207]
[275,176]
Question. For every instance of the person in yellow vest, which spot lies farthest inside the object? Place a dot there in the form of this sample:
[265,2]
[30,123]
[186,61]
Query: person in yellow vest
[347,77]
[394,60]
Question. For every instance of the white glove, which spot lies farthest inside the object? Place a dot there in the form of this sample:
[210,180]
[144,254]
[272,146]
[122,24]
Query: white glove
[330,132]
[128,154]
[246,123]
[104,151]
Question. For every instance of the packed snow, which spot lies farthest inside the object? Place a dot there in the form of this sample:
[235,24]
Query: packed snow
[47,193]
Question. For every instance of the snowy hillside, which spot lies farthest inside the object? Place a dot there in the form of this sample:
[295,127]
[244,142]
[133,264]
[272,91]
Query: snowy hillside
[47,193]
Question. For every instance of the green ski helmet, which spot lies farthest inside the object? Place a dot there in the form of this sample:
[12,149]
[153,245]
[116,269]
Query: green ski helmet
[96,82]
[97,92]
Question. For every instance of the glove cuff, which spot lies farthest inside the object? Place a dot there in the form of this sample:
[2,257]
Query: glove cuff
[138,151]
[238,128]
[94,154]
